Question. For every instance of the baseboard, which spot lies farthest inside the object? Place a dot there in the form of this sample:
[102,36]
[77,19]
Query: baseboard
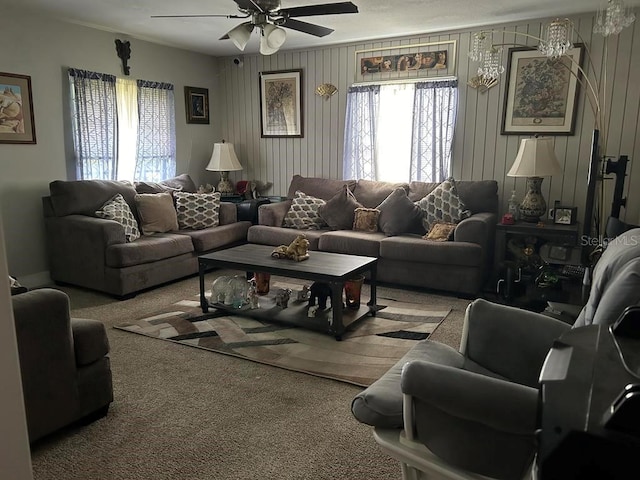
[35,280]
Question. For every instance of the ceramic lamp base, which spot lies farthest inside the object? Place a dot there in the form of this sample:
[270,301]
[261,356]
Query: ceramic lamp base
[225,185]
[533,205]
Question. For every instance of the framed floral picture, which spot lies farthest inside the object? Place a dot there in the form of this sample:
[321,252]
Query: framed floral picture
[16,109]
[281,103]
[197,104]
[542,93]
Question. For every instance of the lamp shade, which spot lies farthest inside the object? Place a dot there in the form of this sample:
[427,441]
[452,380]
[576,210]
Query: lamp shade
[240,35]
[536,158]
[223,158]
[272,39]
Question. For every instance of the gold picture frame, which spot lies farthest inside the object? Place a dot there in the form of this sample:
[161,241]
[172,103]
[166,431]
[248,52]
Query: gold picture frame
[16,109]
[281,112]
[197,105]
[418,60]
[541,95]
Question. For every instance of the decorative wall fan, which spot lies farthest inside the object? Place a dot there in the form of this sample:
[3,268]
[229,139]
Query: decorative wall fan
[269,18]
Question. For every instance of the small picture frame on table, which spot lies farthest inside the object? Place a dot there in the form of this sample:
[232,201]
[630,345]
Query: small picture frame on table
[565,215]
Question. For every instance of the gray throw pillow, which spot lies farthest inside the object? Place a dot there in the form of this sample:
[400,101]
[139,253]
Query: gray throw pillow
[303,213]
[443,204]
[118,210]
[339,211]
[398,214]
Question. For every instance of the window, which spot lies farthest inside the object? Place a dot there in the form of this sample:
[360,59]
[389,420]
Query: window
[122,129]
[400,132]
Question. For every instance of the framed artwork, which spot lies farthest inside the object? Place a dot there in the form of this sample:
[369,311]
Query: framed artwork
[541,95]
[197,104]
[281,103]
[16,109]
[432,59]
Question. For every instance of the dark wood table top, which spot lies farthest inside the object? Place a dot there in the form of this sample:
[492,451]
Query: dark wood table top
[323,265]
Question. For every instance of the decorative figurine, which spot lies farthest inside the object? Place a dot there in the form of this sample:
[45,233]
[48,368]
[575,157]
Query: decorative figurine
[312,311]
[297,250]
[304,294]
[320,291]
[282,297]
[252,294]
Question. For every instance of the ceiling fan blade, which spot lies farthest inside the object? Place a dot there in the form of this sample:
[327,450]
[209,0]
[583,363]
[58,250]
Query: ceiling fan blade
[321,9]
[196,16]
[305,27]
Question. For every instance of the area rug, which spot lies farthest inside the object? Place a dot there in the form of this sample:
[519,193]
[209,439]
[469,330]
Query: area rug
[368,348]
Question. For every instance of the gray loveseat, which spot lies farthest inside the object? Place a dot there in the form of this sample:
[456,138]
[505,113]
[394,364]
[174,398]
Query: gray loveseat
[93,252]
[461,265]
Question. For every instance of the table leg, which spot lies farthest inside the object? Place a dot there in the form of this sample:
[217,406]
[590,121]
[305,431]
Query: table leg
[373,284]
[337,327]
[204,303]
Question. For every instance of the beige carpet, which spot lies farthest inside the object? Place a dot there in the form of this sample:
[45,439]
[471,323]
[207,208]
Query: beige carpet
[368,348]
[187,413]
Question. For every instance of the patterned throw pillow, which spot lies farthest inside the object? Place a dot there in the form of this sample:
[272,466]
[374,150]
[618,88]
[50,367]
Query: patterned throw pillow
[117,209]
[443,204]
[440,231]
[366,219]
[303,213]
[197,210]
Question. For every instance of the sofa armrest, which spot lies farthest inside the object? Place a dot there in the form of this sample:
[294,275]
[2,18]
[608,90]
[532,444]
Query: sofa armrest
[89,340]
[509,341]
[47,360]
[78,243]
[228,213]
[272,214]
[479,228]
[478,423]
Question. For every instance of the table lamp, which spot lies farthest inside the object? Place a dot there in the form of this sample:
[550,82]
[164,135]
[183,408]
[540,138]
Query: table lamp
[535,159]
[224,160]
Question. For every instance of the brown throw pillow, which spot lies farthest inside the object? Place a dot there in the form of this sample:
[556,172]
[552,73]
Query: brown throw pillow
[339,211]
[366,219]
[398,214]
[157,213]
[441,231]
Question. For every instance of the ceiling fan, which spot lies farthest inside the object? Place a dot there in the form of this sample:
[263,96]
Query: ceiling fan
[267,16]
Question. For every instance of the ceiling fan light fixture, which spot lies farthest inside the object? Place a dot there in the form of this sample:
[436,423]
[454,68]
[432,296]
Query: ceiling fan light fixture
[272,39]
[240,35]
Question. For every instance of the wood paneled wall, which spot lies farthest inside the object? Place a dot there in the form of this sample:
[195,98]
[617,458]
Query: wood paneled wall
[480,151]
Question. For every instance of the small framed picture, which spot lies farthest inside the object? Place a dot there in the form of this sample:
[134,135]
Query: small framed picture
[16,109]
[197,104]
[565,215]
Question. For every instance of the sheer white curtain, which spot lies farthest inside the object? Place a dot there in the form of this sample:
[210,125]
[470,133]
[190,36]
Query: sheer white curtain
[400,132]
[127,101]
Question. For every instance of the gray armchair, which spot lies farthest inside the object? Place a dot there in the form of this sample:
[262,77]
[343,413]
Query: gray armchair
[66,375]
[473,412]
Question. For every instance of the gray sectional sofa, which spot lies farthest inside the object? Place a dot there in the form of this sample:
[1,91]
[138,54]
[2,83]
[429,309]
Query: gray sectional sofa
[92,252]
[461,265]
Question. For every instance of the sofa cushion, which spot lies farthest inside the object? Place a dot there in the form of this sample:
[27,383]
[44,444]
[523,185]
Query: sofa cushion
[215,237]
[351,242]
[118,210]
[398,214]
[443,204]
[371,193]
[276,236]
[147,249]
[440,231]
[380,404]
[303,213]
[323,188]
[182,182]
[412,248]
[338,212]
[84,197]
[157,213]
[366,219]
[197,210]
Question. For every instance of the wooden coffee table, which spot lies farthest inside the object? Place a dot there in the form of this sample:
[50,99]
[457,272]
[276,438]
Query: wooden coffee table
[331,268]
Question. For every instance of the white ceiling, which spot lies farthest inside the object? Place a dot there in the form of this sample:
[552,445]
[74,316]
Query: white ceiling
[376,19]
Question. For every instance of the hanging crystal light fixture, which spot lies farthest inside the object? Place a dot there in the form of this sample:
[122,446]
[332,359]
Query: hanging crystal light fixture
[491,64]
[557,39]
[613,19]
[481,43]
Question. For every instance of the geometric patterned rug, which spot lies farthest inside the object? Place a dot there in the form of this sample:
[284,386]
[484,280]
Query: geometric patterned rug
[368,348]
